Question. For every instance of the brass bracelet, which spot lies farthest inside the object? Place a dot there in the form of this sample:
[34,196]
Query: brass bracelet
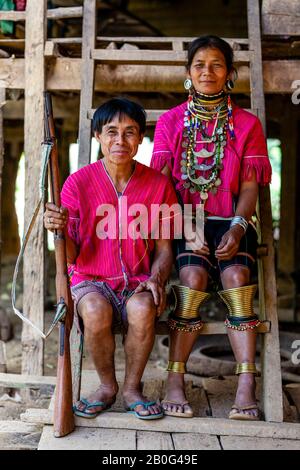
[176,367]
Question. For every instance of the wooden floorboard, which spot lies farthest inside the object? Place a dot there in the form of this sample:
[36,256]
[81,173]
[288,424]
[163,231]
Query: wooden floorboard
[148,440]
[254,443]
[84,438]
[17,435]
[193,441]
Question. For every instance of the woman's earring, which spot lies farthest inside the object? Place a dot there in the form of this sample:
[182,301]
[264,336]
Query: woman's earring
[229,84]
[187,84]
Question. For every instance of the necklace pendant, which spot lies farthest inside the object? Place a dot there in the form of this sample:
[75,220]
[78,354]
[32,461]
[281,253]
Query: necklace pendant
[218,182]
[204,153]
[203,195]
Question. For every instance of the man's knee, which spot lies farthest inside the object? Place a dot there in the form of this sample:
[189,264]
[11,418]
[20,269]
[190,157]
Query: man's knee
[235,276]
[96,313]
[141,311]
[194,277]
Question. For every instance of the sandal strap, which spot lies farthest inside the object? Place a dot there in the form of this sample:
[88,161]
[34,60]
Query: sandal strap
[171,402]
[89,404]
[143,403]
[245,408]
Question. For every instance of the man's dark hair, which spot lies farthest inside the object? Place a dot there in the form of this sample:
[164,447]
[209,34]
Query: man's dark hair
[119,107]
[205,42]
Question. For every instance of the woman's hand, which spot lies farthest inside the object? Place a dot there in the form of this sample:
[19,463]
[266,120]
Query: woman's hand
[229,244]
[204,250]
[196,240]
[55,218]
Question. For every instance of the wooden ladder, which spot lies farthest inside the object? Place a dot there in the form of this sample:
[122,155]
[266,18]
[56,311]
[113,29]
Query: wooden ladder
[270,352]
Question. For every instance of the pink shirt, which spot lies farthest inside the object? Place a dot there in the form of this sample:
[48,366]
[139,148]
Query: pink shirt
[243,155]
[121,262]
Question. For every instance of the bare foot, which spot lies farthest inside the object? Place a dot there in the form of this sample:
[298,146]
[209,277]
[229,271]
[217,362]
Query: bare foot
[105,393]
[132,395]
[245,395]
[175,400]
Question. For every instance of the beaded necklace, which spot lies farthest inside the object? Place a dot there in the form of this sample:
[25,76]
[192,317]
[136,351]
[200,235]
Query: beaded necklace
[196,120]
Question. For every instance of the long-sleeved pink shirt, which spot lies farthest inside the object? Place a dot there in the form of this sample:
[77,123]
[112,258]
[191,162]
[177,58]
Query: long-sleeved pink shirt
[97,210]
[243,155]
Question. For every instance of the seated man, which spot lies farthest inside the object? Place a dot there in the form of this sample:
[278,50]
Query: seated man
[117,275]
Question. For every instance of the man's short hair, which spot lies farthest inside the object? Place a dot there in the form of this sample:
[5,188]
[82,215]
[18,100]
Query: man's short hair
[119,107]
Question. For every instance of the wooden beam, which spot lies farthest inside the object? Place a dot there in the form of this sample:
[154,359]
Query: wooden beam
[215,426]
[64,12]
[165,40]
[152,57]
[12,15]
[26,381]
[154,114]
[53,14]
[65,73]
[33,271]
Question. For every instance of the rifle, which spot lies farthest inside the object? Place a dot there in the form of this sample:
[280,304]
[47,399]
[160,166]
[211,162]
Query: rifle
[63,413]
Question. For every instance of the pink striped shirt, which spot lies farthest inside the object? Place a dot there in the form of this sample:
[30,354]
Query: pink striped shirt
[121,262]
[243,155]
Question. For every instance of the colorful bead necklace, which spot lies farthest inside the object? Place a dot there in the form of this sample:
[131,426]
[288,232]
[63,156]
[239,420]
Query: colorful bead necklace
[196,121]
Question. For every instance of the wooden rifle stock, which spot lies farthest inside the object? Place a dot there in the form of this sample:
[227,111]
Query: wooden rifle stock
[63,413]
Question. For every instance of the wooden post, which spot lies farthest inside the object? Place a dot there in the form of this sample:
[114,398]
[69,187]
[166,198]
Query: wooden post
[2,100]
[270,355]
[87,80]
[32,344]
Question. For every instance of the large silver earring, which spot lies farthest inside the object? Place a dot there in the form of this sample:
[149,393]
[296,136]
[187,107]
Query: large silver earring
[187,84]
[229,84]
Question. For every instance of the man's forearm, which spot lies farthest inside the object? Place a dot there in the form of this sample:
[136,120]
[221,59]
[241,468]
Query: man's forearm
[71,249]
[163,260]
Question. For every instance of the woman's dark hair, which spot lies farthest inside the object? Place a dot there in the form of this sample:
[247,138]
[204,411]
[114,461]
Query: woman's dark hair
[205,42]
[119,107]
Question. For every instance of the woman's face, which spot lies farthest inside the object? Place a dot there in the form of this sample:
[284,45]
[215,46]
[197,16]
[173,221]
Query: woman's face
[208,71]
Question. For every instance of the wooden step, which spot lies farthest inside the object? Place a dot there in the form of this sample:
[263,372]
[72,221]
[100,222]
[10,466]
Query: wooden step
[216,426]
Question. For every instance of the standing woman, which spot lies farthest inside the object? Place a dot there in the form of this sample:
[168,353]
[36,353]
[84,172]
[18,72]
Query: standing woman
[215,153]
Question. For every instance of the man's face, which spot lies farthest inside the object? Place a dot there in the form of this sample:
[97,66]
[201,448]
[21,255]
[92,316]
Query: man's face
[119,140]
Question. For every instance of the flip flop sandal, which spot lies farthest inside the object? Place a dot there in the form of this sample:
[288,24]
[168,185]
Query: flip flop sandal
[130,409]
[84,414]
[179,414]
[239,415]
